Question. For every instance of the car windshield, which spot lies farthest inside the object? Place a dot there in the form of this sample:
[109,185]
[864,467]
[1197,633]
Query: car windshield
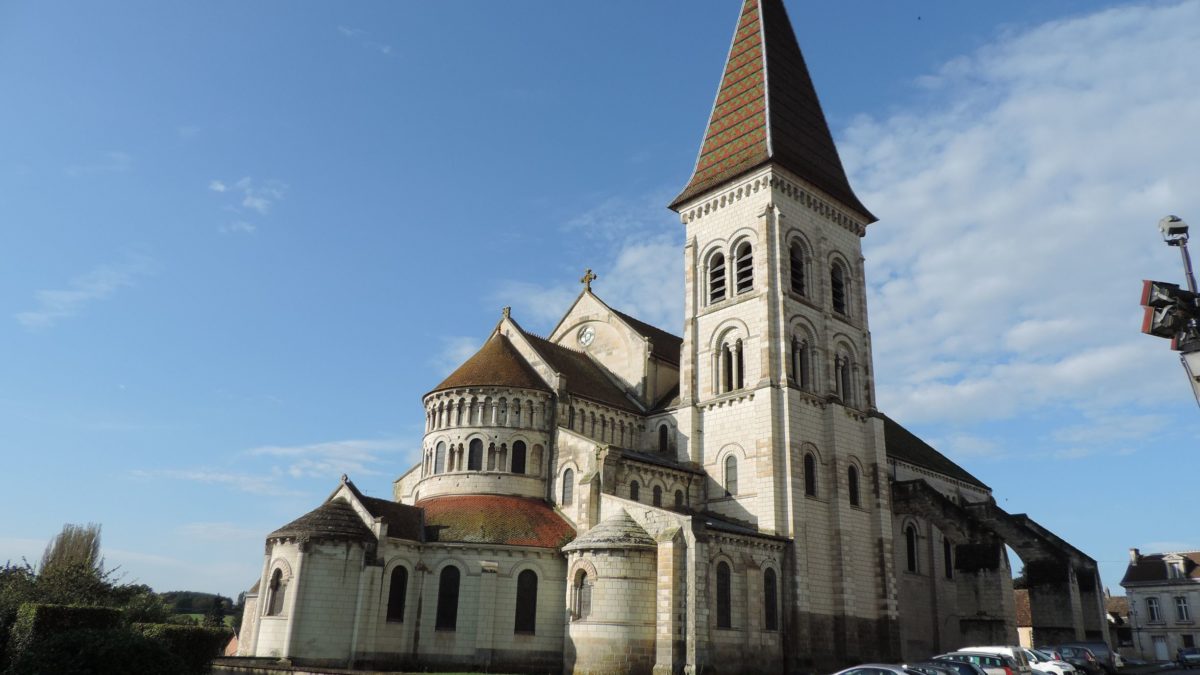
[1029,654]
[1041,655]
[1190,651]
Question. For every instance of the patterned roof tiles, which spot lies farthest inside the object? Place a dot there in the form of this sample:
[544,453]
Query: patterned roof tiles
[496,364]
[335,519]
[494,519]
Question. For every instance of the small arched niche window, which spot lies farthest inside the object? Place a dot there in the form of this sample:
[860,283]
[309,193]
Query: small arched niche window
[716,278]
[799,286]
[678,499]
[852,485]
[838,287]
[277,587]
[810,475]
[568,487]
[948,557]
[439,458]
[397,594]
[447,603]
[656,496]
[802,362]
[910,547]
[475,456]
[745,268]
[843,369]
[581,588]
[664,438]
[518,457]
[724,596]
[634,490]
[770,600]
[731,476]
[527,589]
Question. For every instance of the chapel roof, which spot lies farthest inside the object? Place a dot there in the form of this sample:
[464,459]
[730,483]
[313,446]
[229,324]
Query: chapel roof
[905,446]
[616,531]
[767,110]
[1152,567]
[584,376]
[403,521]
[335,519]
[494,519]
[663,345]
[496,364]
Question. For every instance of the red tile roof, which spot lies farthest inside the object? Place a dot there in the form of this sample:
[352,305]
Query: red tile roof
[496,364]
[494,519]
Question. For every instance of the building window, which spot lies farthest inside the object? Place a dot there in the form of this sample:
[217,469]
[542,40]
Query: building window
[852,485]
[397,592]
[842,369]
[744,268]
[1181,609]
[724,596]
[731,477]
[770,600]
[634,490]
[1152,610]
[571,418]
[475,456]
[948,557]
[664,438]
[797,268]
[657,496]
[447,603]
[837,283]
[716,279]
[526,619]
[678,499]
[801,363]
[277,588]
[518,457]
[1189,640]
[582,607]
[568,487]
[910,547]
[731,371]
[439,458]
[810,475]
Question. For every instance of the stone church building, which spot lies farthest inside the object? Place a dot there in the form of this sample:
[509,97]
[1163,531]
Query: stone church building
[617,498]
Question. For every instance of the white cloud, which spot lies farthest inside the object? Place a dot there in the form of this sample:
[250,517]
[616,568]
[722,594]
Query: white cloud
[98,284]
[333,458]
[253,484]
[360,36]
[239,227]
[217,186]
[113,162]
[455,350]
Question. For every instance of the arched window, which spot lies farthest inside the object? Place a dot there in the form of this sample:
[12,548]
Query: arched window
[515,419]
[731,477]
[726,369]
[277,588]
[475,456]
[527,587]
[568,487]
[518,457]
[837,284]
[657,496]
[439,458]
[852,485]
[397,593]
[664,438]
[810,475]
[948,558]
[571,418]
[801,363]
[724,596]
[716,279]
[797,269]
[910,541]
[447,604]
[744,268]
[582,588]
[843,368]
[739,366]
[770,600]
[634,490]
[679,499]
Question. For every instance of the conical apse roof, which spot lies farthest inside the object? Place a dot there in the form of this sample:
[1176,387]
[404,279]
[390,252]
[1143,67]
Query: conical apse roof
[496,364]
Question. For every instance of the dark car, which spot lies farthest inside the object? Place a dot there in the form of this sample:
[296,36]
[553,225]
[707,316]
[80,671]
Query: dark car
[1188,657]
[936,667]
[992,664]
[1081,657]
[1106,657]
[959,667]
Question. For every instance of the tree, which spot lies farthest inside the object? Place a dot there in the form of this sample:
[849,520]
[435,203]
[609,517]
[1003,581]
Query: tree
[77,546]
[215,618]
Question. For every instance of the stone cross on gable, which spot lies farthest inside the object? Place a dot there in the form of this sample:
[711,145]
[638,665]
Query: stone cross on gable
[587,279]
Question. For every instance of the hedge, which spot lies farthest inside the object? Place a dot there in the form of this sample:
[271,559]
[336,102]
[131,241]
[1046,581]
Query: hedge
[196,646]
[37,622]
[117,651]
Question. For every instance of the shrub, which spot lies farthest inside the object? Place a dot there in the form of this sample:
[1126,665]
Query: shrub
[36,623]
[97,652]
[196,646]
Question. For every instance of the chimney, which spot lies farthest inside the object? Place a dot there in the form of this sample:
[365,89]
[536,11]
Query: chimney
[1134,556]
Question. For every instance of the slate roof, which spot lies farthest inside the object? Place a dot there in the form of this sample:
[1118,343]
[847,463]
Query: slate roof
[657,460]
[1153,567]
[335,519]
[669,400]
[617,531]
[767,110]
[584,376]
[494,519]
[496,364]
[403,521]
[904,445]
[663,345]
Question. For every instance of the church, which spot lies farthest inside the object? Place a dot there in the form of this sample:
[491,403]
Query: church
[720,496]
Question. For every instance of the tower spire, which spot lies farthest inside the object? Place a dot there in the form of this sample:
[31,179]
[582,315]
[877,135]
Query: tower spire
[767,110]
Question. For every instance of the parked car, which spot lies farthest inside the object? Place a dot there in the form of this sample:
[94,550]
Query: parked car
[993,664]
[1015,652]
[1081,657]
[1041,662]
[878,669]
[1106,656]
[1188,657]
[959,667]
[936,667]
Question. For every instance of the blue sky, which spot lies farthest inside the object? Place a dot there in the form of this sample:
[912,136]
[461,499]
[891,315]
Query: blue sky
[241,240]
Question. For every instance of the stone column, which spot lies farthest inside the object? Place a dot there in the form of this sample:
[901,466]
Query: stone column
[671,604]
[487,613]
[1054,602]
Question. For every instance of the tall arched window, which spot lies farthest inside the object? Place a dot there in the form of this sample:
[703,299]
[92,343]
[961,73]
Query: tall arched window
[397,593]
[634,490]
[277,588]
[582,588]
[724,596]
[568,487]
[527,588]
[664,439]
[770,600]
[852,485]
[801,363]
[518,457]
[726,369]
[843,367]
[837,284]
[656,496]
[744,268]
[447,603]
[910,541]
[810,475]
[679,499]
[731,476]
[716,278]
[947,557]
[439,458]
[797,268]
[739,366]
[475,456]
[571,418]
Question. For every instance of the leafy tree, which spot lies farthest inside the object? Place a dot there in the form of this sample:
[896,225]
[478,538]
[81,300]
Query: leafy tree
[215,618]
[77,546]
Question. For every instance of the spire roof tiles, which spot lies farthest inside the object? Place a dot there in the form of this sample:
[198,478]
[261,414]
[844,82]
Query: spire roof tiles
[496,364]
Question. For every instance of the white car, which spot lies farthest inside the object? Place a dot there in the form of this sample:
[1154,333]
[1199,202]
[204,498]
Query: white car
[1041,662]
